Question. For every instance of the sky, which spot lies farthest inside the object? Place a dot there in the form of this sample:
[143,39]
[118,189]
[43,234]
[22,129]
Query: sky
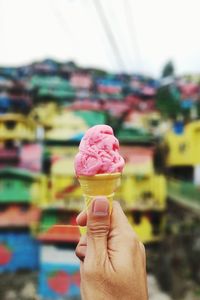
[145,33]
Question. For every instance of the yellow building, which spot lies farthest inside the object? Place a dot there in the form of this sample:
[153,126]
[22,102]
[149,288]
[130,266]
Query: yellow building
[65,188]
[45,113]
[141,187]
[66,125]
[148,226]
[16,127]
[183,164]
[183,149]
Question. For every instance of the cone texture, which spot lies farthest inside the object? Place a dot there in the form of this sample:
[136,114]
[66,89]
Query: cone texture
[99,185]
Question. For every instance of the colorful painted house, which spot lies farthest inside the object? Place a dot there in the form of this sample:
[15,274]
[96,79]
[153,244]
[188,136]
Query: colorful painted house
[182,150]
[16,127]
[14,103]
[21,186]
[80,80]
[141,187]
[9,156]
[17,215]
[59,275]
[65,187]
[18,251]
[51,87]
[149,225]
[58,225]
[70,125]
[183,147]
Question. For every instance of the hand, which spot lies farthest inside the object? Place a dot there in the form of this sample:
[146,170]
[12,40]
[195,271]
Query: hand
[113,263]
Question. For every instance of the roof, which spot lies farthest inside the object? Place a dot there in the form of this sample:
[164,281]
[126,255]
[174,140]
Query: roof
[19,172]
[15,117]
[61,233]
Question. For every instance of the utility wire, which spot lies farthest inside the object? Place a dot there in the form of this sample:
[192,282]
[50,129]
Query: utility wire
[106,43]
[64,26]
[109,34]
[131,29]
[128,50]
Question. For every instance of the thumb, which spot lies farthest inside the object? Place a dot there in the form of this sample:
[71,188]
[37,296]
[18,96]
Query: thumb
[98,225]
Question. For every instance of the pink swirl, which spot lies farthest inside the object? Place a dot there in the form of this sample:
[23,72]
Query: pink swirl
[98,152]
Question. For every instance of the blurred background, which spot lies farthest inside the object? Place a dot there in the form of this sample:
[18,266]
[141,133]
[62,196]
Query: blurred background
[71,64]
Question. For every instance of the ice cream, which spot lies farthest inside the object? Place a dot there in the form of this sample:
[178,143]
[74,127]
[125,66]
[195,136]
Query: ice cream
[98,164]
[98,153]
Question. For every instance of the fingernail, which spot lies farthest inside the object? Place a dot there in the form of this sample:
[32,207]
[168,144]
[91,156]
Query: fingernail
[100,206]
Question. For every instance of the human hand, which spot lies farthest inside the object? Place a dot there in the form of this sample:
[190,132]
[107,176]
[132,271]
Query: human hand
[113,262]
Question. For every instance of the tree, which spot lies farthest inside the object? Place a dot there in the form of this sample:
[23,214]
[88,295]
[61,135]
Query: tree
[168,102]
[168,69]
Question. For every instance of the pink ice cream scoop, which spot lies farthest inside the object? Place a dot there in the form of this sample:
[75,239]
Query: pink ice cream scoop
[98,152]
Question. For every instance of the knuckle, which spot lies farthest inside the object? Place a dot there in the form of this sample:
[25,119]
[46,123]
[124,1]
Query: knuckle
[142,248]
[77,252]
[77,249]
[98,229]
[131,238]
[135,243]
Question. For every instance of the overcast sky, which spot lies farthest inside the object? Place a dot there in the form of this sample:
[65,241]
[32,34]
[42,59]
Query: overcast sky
[147,33]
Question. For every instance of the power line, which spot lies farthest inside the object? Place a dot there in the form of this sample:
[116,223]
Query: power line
[118,21]
[106,42]
[131,29]
[63,24]
[109,34]
[65,27]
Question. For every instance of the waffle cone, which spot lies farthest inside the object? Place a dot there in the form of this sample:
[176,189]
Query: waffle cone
[99,185]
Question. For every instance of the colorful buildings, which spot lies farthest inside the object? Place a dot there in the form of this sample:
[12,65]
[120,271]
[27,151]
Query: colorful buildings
[40,196]
[182,148]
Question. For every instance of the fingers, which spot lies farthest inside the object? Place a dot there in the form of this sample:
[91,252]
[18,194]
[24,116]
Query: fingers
[99,223]
[81,248]
[119,220]
[118,217]
[121,233]
[98,226]
[81,219]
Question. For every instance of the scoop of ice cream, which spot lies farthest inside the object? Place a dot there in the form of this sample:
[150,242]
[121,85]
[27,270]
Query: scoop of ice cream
[98,152]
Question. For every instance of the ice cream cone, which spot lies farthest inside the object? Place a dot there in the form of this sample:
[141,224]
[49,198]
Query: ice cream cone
[99,185]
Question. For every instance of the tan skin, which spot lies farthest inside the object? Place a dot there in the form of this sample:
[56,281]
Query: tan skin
[113,262]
